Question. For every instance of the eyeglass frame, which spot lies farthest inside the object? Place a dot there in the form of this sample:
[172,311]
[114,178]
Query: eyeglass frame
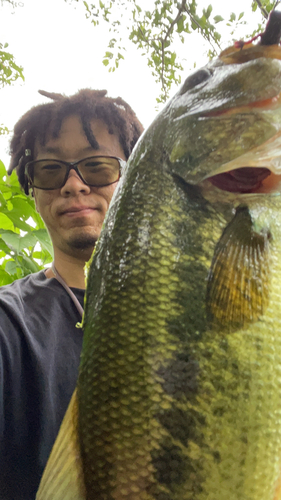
[73,165]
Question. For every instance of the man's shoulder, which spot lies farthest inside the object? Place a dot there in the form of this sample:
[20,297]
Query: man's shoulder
[25,292]
[35,304]
[25,285]
[30,280]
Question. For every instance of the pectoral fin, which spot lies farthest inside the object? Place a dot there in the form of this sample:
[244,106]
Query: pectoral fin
[63,475]
[237,290]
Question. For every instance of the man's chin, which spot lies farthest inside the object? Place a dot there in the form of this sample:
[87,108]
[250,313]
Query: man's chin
[84,242]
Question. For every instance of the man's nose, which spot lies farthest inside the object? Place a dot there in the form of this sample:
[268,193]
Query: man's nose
[74,184]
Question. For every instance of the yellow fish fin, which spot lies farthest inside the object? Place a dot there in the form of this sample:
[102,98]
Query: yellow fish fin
[237,290]
[63,475]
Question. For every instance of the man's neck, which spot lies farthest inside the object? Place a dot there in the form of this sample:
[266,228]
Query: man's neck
[70,269]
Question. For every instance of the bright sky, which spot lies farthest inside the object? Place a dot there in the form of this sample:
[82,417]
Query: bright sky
[61,51]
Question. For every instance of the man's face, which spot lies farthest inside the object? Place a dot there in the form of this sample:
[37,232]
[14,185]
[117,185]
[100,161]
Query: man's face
[74,214]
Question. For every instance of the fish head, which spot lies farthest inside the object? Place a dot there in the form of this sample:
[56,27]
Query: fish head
[224,124]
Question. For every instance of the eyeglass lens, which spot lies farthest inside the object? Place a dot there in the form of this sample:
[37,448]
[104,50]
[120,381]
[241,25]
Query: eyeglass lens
[94,171]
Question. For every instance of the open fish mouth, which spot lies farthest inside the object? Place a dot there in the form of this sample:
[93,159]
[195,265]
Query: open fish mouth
[241,180]
[257,171]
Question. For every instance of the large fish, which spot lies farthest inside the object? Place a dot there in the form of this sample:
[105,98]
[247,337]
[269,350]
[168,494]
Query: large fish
[179,392]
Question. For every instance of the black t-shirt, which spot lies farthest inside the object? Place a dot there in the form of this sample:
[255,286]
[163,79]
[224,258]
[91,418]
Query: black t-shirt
[40,348]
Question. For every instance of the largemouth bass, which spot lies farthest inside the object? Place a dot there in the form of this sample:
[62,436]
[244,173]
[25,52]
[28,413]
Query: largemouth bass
[179,392]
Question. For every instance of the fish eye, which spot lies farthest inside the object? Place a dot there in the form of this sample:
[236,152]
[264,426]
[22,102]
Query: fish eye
[193,80]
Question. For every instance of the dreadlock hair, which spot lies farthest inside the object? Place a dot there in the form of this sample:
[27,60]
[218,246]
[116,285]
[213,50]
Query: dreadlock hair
[47,118]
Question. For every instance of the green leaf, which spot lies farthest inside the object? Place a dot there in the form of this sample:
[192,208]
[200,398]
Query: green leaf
[43,256]
[208,11]
[13,181]
[9,70]
[203,21]
[268,6]
[12,240]
[11,267]
[5,222]
[28,240]
[3,170]
[22,208]
[19,211]
[218,19]
[43,237]
[4,130]
[38,221]
[4,247]
[5,278]
[30,264]
[18,223]
[181,23]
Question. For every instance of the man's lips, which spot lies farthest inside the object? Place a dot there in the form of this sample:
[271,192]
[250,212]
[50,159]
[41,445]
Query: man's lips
[77,211]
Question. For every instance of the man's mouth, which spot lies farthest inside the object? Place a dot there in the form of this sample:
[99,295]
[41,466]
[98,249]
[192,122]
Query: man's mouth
[77,211]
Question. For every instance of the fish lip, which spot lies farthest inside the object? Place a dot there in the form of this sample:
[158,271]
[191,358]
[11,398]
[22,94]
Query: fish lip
[260,105]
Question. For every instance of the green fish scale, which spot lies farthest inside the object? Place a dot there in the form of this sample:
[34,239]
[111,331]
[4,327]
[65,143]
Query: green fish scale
[169,408]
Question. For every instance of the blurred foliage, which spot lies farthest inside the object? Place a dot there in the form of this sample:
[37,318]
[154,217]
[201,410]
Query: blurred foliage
[9,70]
[13,4]
[4,130]
[25,246]
[155,30]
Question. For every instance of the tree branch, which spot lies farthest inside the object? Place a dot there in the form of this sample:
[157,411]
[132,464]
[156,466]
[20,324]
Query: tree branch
[172,24]
[263,10]
[181,8]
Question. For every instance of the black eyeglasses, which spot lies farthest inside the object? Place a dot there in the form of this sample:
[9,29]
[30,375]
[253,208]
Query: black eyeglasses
[95,171]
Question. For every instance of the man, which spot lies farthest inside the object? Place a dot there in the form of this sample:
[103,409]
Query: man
[69,153]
